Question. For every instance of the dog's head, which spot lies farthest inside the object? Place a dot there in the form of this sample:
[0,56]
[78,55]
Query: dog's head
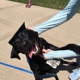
[24,41]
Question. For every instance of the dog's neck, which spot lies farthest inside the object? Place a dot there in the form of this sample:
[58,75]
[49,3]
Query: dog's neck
[43,43]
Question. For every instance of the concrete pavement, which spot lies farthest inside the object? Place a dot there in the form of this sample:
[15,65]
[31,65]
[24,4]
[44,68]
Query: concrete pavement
[12,15]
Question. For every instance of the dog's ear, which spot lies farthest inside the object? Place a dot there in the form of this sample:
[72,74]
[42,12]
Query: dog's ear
[18,31]
[14,54]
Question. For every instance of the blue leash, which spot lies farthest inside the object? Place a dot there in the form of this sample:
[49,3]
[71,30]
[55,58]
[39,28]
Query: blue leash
[27,71]
[15,67]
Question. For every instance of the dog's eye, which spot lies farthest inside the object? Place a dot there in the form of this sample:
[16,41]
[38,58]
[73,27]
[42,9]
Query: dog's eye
[24,43]
[17,41]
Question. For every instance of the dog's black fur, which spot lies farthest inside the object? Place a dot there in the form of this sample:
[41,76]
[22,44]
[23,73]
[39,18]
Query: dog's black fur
[23,42]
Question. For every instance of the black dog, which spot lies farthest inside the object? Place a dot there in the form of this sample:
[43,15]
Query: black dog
[29,43]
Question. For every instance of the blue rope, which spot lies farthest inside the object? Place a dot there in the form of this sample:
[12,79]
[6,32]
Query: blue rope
[27,71]
[15,67]
[46,75]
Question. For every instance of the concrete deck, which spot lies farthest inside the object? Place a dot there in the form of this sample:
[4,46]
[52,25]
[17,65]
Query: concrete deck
[12,15]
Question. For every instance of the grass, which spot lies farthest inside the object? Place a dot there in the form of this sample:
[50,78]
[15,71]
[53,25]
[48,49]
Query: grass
[54,4]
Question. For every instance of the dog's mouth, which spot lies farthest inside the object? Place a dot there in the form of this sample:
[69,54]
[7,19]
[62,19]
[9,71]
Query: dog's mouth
[34,50]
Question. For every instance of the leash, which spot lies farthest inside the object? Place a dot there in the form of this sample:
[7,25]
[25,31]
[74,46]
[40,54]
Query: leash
[27,71]
[17,68]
